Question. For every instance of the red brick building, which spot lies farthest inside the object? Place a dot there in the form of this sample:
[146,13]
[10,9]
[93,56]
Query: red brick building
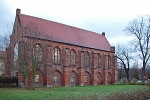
[66,55]
[146,74]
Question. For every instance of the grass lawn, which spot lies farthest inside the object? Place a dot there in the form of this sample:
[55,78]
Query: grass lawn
[54,93]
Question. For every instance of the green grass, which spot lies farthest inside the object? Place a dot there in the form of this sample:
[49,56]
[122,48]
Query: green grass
[55,93]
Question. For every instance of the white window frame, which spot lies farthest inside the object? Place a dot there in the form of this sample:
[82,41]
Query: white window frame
[37,78]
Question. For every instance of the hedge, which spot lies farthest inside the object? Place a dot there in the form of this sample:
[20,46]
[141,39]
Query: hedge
[8,81]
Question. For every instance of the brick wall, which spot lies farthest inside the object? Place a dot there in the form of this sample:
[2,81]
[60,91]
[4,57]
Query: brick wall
[65,70]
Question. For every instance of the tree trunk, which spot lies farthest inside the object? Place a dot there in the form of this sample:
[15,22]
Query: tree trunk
[26,81]
[128,78]
[127,75]
[33,78]
[143,74]
[33,83]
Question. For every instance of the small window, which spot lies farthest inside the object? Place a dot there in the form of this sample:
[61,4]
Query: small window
[71,79]
[85,78]
[55,78]
[37,78]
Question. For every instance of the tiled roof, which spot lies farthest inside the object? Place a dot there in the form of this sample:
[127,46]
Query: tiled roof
[67,34]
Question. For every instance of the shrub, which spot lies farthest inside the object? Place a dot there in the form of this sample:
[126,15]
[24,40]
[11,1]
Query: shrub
[124,80]
[133,81]
[136,95]
[140,83]
[8,81]
[148,84]
[84,97]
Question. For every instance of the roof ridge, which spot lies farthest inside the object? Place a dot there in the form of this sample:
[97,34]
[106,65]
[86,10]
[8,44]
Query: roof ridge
[61,24]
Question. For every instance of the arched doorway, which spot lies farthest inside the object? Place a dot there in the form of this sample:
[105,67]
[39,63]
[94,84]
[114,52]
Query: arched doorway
[99,78]
[109,78]
[57,78]
[73,79]
[87,79]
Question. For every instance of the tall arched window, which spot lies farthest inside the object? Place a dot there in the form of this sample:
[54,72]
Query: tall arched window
[37,53]
[109,61]
[56,55]
[86,59]
[16,52]
[99,60]
[72,57]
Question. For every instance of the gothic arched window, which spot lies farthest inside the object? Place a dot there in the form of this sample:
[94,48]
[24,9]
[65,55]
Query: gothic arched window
[37,53]
[16,52]
[72,57]
[99,60]
[56,55]
[109,61]
[86,59]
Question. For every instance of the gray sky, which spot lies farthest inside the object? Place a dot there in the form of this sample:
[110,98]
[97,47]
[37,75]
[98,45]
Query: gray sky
[110,16]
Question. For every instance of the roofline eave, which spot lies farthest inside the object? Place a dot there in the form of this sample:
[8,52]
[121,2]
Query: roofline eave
[71,44]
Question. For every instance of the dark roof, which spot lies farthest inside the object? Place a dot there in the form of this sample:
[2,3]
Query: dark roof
[54,31]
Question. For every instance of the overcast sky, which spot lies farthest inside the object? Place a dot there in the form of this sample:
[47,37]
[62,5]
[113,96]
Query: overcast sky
[109,16]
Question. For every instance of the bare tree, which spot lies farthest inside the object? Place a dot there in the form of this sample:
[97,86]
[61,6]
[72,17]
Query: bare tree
[4,41]
[5,37]
[22,61]
[140,29]
[21,55]
[2,62]
[124,56]
[4,44]
[31,56]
